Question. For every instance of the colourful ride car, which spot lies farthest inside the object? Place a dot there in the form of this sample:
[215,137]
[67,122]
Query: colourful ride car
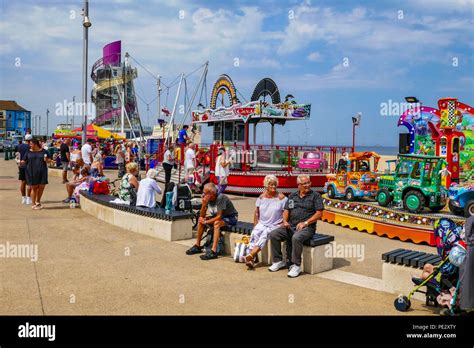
[416,183]
[354,177]
[461,199]
[313,160]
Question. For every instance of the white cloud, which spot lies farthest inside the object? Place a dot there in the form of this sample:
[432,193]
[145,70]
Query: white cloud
[314,57]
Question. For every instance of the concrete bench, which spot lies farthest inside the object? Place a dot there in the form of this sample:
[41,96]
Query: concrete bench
[400,265]
[314,261]
[152,222]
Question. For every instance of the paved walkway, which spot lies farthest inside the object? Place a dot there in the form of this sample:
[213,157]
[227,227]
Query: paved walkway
[89,267]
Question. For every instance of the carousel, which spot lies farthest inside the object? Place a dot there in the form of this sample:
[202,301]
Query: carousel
[231,122]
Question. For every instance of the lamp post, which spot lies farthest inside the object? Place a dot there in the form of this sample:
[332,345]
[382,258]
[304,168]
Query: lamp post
[47,123]
[355,122]
[86,23]
[37,125]
[73,110]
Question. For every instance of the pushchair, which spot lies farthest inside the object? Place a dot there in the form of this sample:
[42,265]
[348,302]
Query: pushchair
[183,201]
[445,275]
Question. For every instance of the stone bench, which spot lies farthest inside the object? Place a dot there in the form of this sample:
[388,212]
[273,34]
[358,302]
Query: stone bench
[400,265]
[153,222]
[314,259]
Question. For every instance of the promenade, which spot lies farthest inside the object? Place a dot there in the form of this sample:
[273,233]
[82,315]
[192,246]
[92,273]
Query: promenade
[88,267]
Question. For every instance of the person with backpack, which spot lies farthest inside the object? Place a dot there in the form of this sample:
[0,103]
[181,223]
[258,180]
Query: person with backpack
[222,213]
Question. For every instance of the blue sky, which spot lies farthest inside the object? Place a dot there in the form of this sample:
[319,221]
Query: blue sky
[343,57]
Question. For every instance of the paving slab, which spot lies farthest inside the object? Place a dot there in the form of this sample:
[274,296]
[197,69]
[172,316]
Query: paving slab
[88,267]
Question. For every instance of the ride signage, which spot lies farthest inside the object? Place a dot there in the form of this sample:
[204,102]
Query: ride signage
[256,109]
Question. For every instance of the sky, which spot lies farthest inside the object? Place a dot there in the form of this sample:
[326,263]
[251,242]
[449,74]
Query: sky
[342,57]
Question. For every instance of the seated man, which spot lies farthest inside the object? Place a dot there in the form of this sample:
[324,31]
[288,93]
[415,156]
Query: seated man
[302,210]
[222,213]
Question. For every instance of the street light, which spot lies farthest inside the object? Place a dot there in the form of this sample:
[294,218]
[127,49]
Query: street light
[412,100]
[355,122]
[37,124]
[86,23]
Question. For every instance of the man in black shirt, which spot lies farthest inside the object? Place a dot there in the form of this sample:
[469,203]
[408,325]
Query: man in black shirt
[302,210]
[22,149]
[65,156]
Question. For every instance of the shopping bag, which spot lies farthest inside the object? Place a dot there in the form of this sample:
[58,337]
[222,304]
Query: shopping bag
[242,248]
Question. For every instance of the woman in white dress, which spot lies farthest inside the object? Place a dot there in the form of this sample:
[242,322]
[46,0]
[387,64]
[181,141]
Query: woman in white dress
[268,216]
[222,170]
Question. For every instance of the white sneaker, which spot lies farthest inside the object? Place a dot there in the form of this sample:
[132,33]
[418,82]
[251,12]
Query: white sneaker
[28,200]
[23,200]
[294,271]
[276,266]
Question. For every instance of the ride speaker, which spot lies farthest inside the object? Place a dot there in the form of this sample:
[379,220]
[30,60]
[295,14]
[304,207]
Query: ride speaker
[404,143]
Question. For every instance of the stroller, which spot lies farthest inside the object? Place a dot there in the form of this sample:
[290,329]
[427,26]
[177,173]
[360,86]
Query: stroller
[445,276]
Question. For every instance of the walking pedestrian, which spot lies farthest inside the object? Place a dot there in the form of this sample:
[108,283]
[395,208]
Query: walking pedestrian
[120,160]
[36,172]
[168,163]
[22,151]
[65,157]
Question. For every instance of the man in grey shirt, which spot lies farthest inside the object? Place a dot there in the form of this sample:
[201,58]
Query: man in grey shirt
[222,213]
[302,210]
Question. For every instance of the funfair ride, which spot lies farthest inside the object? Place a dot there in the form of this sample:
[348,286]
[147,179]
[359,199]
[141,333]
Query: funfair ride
[231,121]
[113,92]
[439,157]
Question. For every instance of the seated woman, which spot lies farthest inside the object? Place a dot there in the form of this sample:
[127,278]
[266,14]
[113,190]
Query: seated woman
[129,184]
[147,189]
[83,183]
[268,216]
[97,167]
[80,175]
[75,156]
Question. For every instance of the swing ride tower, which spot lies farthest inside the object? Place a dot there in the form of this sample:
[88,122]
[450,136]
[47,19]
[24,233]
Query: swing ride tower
[113,92]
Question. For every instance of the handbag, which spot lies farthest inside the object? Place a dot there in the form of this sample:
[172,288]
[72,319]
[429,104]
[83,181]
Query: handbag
[101,187]
[242,248]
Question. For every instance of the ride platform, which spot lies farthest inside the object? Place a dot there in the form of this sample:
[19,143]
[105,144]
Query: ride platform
[392,222]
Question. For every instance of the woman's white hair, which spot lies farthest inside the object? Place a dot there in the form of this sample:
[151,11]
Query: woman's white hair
[269,179]
[152,173]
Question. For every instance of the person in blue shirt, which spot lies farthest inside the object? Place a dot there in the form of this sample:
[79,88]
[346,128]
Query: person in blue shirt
[183,135]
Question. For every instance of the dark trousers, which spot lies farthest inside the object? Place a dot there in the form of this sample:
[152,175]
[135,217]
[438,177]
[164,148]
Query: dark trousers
[294,243]
[167,167]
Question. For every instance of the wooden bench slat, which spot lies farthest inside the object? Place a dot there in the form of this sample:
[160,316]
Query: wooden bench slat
[414,261]
[429,259]
[386,255]
[406,257]
[392,257]
[399,258]
[157,213]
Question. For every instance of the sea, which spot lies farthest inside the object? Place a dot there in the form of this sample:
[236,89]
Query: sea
[381,150]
